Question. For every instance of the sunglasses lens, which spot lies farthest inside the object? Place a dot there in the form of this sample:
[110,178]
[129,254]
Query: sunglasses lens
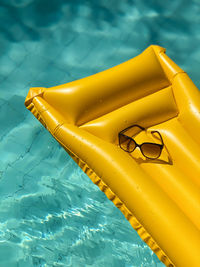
[126,143]
[152,151]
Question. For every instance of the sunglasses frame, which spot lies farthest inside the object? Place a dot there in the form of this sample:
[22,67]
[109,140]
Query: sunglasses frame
[140,145]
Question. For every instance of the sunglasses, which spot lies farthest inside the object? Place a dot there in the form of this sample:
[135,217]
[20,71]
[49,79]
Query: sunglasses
[149,150]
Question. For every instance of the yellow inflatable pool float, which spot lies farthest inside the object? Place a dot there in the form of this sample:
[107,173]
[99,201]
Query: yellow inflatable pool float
[134,130]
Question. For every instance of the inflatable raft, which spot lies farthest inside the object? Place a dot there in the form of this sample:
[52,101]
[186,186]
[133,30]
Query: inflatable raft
[159,195]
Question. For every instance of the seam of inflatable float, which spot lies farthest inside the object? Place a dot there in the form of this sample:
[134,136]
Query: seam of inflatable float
[142,232]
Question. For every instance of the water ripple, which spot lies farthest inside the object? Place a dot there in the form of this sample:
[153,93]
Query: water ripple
[51,214]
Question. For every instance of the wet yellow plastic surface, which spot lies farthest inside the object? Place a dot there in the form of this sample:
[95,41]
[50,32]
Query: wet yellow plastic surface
[160,198]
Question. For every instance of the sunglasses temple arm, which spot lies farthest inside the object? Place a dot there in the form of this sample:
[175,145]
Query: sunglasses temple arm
[159,135]
[135,125]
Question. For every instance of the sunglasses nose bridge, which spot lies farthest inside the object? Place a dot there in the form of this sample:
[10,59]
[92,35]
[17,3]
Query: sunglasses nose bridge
[136,145]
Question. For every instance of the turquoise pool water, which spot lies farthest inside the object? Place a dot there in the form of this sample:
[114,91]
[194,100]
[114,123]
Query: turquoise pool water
[51,214]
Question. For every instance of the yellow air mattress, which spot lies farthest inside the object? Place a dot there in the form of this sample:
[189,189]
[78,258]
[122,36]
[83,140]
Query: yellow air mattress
[159,197]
